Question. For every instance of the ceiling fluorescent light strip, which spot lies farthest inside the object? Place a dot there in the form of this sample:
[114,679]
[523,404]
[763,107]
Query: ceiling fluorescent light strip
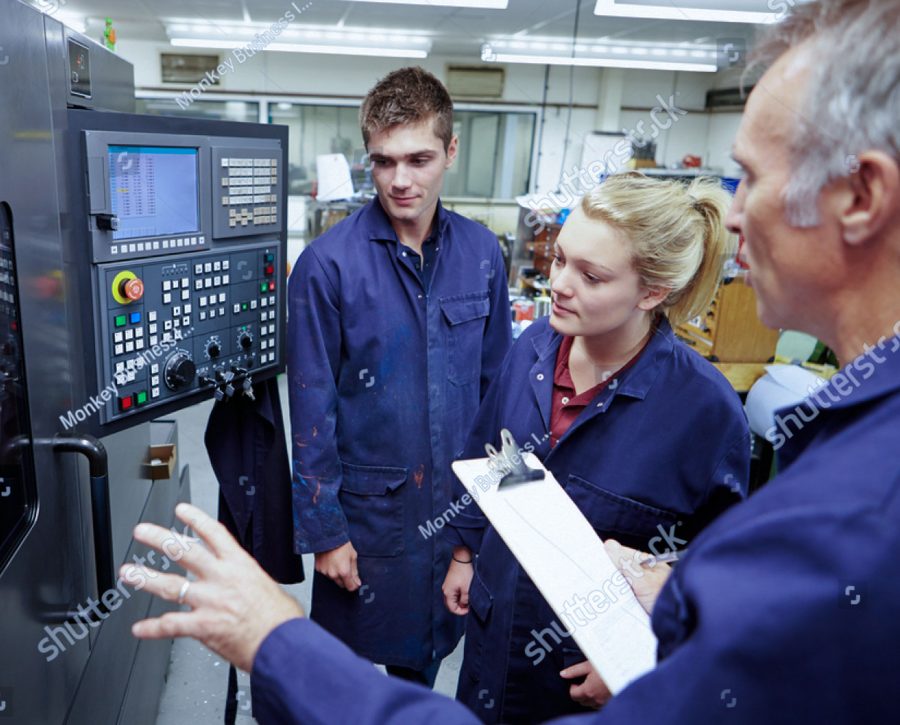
[611,8]
[376,51]
[478,4]
[602,62]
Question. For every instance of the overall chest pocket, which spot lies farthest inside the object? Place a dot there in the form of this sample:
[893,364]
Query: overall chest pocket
[466,316]
[372,500]
[625,519]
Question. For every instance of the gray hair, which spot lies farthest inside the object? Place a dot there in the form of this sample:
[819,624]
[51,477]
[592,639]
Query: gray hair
[852,102]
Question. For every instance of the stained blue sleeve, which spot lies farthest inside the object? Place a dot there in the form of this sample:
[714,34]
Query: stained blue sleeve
[314,349]
[303,675]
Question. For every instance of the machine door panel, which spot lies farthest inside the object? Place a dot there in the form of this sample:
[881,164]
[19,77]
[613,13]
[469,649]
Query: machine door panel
[41,570]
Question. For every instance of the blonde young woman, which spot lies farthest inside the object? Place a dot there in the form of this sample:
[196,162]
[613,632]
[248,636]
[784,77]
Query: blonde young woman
[646,437]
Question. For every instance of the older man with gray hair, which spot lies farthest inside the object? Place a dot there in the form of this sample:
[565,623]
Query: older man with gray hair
[786,608]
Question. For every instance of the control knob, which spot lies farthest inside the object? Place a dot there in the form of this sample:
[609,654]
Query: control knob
[180,370]
[245,340]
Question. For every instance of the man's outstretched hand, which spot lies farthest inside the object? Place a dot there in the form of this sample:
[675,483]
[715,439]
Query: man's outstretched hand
[234,604]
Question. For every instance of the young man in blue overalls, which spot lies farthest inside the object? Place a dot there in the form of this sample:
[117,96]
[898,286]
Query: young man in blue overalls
[399,317]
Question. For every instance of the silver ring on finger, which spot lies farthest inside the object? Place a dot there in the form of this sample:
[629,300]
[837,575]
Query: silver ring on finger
[182,594]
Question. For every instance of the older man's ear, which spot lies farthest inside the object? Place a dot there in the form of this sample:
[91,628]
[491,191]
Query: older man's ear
[869,200]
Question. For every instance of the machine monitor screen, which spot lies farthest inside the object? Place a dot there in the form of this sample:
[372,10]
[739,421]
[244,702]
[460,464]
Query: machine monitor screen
[154,190]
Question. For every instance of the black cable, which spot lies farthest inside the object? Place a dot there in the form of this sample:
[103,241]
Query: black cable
[568,137]
[543,122]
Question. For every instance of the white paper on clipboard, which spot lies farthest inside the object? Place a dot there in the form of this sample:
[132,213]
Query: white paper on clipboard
[566,560]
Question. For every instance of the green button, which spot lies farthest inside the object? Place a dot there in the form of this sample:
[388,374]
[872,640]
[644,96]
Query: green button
[121,320]
[264,287]
[244,306]
[142,397]
[270,257]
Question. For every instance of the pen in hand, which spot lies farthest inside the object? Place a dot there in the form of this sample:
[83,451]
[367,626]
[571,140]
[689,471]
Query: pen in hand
[666,558]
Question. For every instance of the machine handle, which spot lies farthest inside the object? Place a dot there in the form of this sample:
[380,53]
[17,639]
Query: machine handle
[98,463]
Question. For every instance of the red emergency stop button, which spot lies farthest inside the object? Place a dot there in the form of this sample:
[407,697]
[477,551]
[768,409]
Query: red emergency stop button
[133,289]
[127,287]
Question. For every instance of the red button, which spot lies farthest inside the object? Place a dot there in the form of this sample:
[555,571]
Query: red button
[270,270]
[271,286]
[125,403]
[133,289]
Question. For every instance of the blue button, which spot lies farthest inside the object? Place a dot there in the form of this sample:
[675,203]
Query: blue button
[135,318]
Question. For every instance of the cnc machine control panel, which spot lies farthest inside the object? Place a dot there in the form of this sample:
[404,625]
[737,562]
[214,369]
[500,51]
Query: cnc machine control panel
[187,240]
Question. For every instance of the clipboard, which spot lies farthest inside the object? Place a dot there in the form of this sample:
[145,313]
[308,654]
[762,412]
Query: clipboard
[566,560]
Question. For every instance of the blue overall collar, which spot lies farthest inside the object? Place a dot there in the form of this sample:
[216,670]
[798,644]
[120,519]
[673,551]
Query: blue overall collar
[379,223]
[637,381]
[871,376]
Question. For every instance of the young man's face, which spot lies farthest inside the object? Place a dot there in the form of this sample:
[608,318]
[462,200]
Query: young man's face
[408,167]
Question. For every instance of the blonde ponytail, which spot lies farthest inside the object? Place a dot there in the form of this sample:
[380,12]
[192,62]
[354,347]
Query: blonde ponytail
[677,232]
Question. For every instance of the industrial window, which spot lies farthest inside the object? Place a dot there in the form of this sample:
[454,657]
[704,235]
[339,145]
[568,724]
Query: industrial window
[494,155]
[494,161]
[245,111]
[317,130]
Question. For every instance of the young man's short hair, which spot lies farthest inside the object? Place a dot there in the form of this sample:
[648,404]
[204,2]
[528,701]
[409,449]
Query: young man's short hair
[404,97]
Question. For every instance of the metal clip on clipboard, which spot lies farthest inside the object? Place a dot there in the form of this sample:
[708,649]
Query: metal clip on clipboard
[519,472]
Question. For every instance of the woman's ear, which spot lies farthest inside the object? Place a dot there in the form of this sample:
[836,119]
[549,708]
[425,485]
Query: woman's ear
[653,297]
